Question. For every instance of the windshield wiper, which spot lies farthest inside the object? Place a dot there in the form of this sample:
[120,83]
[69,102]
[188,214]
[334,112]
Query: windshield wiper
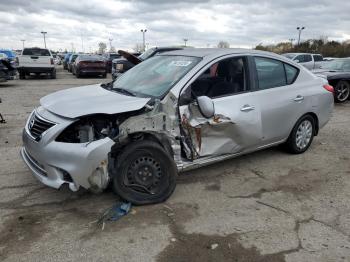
[124,91]
[107,85]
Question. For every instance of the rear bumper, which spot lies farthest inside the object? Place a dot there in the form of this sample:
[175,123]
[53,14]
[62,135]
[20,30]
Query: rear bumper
[92,71]
[36,69]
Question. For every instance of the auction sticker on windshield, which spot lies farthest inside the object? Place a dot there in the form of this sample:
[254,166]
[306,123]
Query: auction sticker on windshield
[180,63]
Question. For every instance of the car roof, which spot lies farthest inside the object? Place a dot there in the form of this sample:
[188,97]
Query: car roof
[206,52]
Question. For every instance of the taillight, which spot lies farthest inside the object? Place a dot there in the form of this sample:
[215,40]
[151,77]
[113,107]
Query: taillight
[329,88]
[51,60]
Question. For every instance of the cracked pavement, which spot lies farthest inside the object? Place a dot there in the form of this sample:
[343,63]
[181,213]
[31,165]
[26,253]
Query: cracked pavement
[266,206]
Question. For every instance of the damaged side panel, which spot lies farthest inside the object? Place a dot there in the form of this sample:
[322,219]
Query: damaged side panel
[229,131]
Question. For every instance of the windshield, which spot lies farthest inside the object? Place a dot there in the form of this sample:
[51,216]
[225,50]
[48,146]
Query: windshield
[337,64]
[155,76]
[36,52]
[147,54]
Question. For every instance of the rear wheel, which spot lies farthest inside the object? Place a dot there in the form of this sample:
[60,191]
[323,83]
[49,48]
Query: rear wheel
[342,91]
[22,75]
[145,173]
[302,135]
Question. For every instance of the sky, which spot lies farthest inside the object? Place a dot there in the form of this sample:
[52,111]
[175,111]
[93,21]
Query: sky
[81,25]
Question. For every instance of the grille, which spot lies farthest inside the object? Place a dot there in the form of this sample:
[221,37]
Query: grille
[37,126]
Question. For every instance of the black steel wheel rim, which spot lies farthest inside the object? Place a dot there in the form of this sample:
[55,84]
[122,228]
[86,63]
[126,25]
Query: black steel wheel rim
[144,175]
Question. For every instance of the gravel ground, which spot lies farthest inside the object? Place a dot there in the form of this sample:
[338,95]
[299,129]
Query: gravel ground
[266,206]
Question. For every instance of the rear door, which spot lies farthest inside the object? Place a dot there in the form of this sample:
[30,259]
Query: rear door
[236,125]
[36,57]
[280,99]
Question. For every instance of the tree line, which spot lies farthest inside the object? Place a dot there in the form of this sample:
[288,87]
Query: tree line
[321,46]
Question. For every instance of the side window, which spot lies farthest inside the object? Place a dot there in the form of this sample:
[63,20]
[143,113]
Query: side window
[270,73]
[318,58]
[307,58]
[300,58]
[291,73]
[226,77]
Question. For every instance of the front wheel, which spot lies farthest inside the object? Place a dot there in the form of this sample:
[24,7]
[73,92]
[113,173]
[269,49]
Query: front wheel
[342,91]
[302,135]
[53,74]
[145,173]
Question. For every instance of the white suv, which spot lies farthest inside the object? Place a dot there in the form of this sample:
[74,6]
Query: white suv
[36,60]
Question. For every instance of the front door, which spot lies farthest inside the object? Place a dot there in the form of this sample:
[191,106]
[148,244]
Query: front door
[236,124]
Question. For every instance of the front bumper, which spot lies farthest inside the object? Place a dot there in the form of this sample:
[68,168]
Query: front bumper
[76,164]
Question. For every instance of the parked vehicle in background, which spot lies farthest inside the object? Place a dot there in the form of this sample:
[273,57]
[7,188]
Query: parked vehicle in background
[109,57]
[65,60]
[57,60]
[121,65]
[7,71]
[10,56]
[310,61]
[70,62]
[36,60]
[176,111]
[337,72]
[89,65]
[3,56]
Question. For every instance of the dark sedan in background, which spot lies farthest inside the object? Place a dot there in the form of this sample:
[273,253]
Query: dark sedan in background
[121,65]
[89,65]
[337,73]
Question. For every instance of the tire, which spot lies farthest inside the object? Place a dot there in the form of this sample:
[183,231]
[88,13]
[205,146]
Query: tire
[104,75]
[147,166]
[301,136]
[77,74]
[341,91]
[22,75]
[53,74]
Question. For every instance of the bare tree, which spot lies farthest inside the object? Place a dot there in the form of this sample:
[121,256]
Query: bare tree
[223,44]
[102,47]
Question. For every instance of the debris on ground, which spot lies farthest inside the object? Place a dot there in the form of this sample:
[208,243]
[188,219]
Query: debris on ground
[114,213]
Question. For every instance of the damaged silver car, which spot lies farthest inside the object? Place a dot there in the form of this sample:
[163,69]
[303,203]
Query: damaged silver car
[176,111]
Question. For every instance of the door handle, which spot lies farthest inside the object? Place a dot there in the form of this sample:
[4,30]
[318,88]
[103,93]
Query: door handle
[247,108]
[299,98]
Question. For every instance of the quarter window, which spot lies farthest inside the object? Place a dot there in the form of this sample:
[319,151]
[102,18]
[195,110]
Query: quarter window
[291,73]
[273,73]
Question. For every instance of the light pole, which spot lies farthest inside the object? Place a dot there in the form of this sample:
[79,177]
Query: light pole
[44,33]
[110,44]
[185,40]
[23,40]
[143,31]
[300,29]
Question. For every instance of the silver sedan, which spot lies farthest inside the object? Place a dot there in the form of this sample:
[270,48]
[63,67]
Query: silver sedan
[176,111]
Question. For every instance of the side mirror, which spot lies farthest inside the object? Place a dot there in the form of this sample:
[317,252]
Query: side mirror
[296,61]
[206,106]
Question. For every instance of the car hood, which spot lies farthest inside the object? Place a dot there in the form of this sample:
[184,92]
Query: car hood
[88,100]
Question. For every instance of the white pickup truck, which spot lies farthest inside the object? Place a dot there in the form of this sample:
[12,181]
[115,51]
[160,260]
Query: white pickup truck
[310,61]
[37,61]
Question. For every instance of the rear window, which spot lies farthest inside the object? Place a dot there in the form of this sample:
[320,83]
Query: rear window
[36,52]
